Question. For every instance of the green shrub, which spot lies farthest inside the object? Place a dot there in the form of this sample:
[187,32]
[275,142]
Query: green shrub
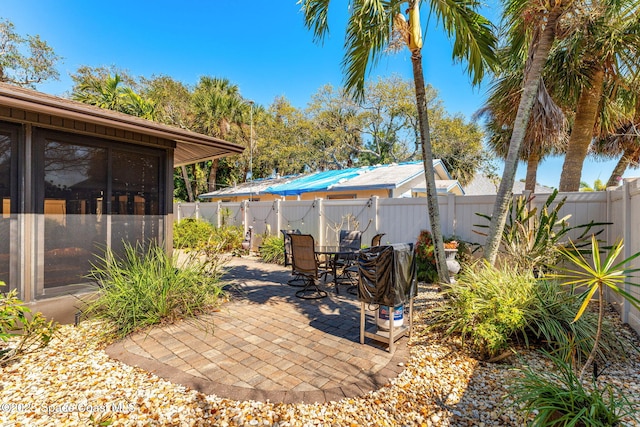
[146,288]
[558,398]
[227,238]
[272,249]
[494,307]
[190,233]
[486,305]
[21,333]
[550,322]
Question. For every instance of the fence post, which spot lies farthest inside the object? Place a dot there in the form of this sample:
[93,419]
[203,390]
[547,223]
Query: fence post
[178,211]
[219,214]
[197,212]
[375,214]
[626,235]
[321,221]
[451,213]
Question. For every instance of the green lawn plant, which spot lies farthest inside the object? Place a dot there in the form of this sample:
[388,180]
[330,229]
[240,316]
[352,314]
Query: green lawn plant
[21,332]
[147,287]
[272,249]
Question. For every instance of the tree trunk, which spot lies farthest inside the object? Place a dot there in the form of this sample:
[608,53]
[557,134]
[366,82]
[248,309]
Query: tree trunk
[530,90]
[213,174]
[581,133]
[187,183]
[532,172]
[621,166]
[433,209]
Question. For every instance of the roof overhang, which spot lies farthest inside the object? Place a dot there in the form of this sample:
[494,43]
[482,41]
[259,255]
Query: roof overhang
[190,147]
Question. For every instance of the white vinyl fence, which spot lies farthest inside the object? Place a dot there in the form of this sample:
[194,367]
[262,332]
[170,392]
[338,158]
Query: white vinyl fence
[402,220]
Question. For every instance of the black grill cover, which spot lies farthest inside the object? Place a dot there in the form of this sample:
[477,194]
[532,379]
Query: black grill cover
[387,274]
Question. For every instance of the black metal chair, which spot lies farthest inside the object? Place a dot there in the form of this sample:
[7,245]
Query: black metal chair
[287,257]
[349,241]
[306,266]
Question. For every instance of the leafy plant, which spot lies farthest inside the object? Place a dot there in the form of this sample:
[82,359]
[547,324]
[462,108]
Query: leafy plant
[559,398]
[272,249]
[494,307]
[487,305]
[550,322]
[531,239]
[146,288]
[191,233]
[21,333]
[595,276]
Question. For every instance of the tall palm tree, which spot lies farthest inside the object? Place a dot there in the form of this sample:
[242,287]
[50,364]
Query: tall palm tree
[217,106]
[532,30]
[547,128]
[369,32]
[601,51]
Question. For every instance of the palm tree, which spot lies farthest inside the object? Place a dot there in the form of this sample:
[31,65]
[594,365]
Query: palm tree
[369,33]
[532,30]
[547,128]
[601,51]
[217,107]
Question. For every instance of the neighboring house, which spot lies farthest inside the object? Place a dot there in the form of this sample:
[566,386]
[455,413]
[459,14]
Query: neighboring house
[384,181]
[75,179]
[483,185]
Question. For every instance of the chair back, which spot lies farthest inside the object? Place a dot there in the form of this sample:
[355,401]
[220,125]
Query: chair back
[287,245]
[303,255]
[376,239]
[350,239]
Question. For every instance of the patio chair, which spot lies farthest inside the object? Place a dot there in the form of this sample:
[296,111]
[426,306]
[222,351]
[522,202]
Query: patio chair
[287,257]
[349,240]
[306,266]
[376,239]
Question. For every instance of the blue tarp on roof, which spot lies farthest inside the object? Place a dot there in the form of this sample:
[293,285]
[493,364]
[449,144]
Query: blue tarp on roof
[315,182]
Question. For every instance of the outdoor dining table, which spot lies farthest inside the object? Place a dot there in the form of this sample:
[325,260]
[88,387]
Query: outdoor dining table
[333,255]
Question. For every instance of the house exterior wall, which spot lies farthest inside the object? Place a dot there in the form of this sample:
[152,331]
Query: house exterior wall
[67,195]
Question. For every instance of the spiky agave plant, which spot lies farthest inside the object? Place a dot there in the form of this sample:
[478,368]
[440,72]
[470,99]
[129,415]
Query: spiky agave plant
[595,276]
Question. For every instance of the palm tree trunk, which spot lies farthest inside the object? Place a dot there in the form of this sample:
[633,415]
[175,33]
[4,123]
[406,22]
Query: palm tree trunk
[532,172]
[581,133]
[621,166]
[187,183]
[433,209]
[529,93]
[213,174]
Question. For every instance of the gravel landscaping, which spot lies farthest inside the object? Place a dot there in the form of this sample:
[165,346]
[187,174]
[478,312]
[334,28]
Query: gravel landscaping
[72,382]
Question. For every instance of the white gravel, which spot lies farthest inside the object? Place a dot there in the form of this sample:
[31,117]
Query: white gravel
[73,382]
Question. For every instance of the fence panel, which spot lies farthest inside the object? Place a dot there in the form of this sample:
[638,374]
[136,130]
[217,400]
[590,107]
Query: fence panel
[352,214]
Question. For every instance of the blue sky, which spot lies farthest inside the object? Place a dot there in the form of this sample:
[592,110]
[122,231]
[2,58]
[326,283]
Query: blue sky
[262,46]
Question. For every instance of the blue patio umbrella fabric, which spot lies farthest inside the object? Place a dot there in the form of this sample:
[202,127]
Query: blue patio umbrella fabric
[315,182]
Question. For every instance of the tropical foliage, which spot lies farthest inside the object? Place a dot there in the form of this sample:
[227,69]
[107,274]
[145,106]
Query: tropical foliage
[144,288]
[21,332]
[532,237]
[272,250]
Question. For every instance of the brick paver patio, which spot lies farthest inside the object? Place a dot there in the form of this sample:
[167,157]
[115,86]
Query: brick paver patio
[268,344]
